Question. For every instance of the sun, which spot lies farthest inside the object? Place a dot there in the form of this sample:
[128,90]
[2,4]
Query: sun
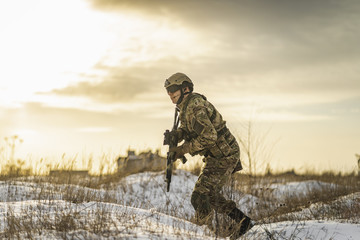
[45,44]
[48,45]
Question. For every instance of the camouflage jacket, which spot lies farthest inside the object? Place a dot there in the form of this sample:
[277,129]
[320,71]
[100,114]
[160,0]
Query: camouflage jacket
[204,128]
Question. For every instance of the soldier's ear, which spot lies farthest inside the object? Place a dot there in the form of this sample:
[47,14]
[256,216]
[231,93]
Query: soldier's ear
[186,89]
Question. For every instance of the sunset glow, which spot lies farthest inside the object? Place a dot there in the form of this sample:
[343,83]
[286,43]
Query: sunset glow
[86,76]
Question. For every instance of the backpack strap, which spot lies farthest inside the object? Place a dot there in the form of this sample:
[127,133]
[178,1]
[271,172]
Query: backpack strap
[193,95]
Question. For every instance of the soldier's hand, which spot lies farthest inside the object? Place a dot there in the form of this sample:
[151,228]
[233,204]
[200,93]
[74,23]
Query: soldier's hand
[180,150]
[178,134]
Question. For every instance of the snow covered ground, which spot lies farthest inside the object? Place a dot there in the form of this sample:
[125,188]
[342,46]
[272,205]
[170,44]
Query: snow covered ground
[139,207]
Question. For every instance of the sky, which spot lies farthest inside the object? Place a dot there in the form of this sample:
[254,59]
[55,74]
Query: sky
[87,76]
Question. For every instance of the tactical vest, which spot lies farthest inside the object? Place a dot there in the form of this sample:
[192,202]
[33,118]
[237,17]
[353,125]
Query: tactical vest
[225,144]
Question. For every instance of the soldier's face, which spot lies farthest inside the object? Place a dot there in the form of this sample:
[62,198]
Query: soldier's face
[174,96]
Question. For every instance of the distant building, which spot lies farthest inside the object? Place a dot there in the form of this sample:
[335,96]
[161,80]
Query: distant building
[145,161]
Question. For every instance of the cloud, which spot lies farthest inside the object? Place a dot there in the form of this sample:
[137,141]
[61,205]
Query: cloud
[281,32]
[113,88]
[303,51]
[279,17]
[53,130]
[47,118]
[95,129]
[262,36]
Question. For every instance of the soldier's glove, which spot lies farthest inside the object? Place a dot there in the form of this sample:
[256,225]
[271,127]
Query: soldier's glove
[179,133]
[180,150]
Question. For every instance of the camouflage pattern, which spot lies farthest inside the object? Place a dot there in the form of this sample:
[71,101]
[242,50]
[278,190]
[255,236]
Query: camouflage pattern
[203,127]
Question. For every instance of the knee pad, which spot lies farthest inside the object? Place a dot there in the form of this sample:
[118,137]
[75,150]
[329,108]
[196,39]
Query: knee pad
[195,199]
[199,199]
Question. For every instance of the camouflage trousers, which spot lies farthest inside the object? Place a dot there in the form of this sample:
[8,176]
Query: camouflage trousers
[207,192]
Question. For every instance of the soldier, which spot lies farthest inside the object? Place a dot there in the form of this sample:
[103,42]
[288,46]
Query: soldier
[205,133]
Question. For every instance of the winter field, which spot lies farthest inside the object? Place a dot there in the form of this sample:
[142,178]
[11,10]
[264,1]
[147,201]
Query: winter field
[138,207]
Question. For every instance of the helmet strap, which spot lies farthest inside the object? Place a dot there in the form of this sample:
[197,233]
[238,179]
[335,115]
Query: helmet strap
[182,96]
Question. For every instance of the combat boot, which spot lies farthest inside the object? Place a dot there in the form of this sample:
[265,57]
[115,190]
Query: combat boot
[244,224]
[200,219]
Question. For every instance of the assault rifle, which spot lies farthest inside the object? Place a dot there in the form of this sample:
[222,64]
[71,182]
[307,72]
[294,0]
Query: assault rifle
[171,139]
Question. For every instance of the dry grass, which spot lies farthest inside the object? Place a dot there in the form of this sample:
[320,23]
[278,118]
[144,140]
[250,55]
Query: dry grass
[67,195]
[65,222]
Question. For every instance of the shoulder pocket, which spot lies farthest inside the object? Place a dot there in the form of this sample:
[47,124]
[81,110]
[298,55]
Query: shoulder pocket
[197,126]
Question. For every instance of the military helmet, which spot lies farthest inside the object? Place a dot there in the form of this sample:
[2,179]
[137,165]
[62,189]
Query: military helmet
[177,79]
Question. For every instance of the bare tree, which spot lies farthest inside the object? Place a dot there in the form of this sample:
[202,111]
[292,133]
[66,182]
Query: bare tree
[255,148]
